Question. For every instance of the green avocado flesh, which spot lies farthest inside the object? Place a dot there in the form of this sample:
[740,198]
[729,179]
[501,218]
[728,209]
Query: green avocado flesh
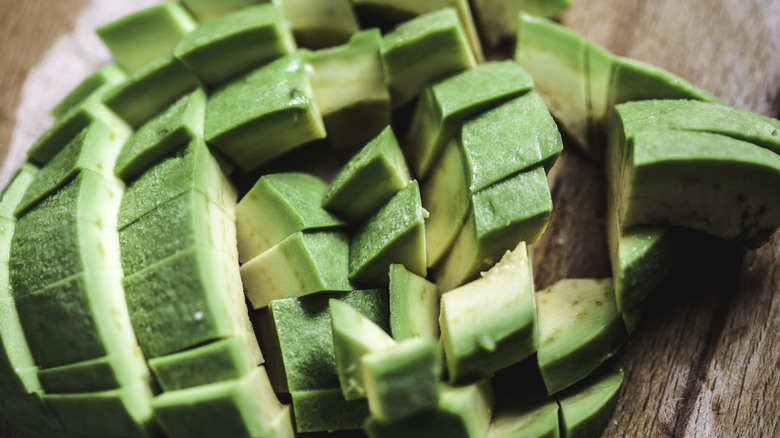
[579,327]
[235,42]
[586,407]
[102,374]
[279,205]
[414,305]
[327,410]
[208,10]
[490,323]
[528,416]
[498,19]
[317,24]
[107,75]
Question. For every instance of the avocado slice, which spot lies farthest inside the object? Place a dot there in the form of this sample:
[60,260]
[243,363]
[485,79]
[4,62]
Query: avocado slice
[147,35]
[95,148]
[102,374]
[193,167]
[235,42]
[151,90]
[303,263]
[244,407]
[414,305]
[394,234]
[208,10]
[526,417]
[349,86]
[296,336]
[490,323]
[326,410]
[369,179]
[354,336]
[497,19]
[579,328]
[317,24]
[587,406]
[444,106]
[264,113]
[513,210]
[175,127]
[106,75]
[401,380]
[13,193]
[277,206]
[422,51]
[463,412]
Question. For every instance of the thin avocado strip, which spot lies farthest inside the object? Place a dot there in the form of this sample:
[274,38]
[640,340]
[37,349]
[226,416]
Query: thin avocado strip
[414,305]
[102,374]
[497,19]
[586,407]
[109,74]
[208,10]
[326,410]
[526,416]
[317,24]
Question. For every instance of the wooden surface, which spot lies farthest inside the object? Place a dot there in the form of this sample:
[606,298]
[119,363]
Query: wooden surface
[705,360]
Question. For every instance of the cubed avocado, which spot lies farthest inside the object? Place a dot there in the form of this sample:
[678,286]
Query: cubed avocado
[497,19]
[414,305]
[317,24]
[264,113]
[586,407]
[278,205]
[106,75]
[327,410]
[207,10]
[18,372]
[147,35]
[235,42]
[101,374]
[14,192]
[173,128]
[528,415]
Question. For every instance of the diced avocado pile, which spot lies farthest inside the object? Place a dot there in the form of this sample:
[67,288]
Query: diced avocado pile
[139,297]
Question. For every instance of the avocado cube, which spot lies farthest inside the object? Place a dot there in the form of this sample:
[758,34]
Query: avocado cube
[147,35]
[422,51]
[221,360]
[208,10]
[95,148]
[106,75]
[188,221]
[498,19]
[14,191]
[354,336]
[105,373]
[526,416]
[587,406]
[235,43]
[318,24]
[599,61]
[402,379]
[414,305]
[264,113]
[368,180]
[579,328]
[18,371]
[277,206]
[490,323]
[244,407]
[444,106]
[151,90]
[29,412]
[349,86]
[173,128]
[118,412]
[513,210]
[189,168]
[327,410]
[296,335]
[394,234]
[303,263]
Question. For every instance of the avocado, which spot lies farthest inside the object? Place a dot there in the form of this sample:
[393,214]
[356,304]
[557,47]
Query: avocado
[95,148]
[327,410]
[401,380]
[529,415]
[445,105]
[304,263]
[579,328]
[244,407]
[277,206]
[173,128]
[317,24]
[679,178]
[11,196]
[147,35]
[151,90]
[513,210]
[587,406]
[235,42]
[489,324]
[422,51]
[264,113]
[349,86]
[207,10]
[394,234]
[106,75]
[354,336]
[296,336]
[414,305]
[497,19]
[102,374]
[369,179]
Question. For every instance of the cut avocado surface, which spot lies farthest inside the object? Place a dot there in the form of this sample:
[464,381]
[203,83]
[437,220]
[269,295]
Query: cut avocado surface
[414,305]
[586,407]
[497,19]
[327,410]
[207,10]
[102,374]
[107,75]
[317,24]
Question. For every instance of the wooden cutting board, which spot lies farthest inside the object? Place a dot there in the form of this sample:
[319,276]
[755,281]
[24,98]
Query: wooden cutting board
[705,360]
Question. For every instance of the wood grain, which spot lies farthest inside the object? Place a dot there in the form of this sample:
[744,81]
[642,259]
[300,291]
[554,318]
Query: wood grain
[705,359]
